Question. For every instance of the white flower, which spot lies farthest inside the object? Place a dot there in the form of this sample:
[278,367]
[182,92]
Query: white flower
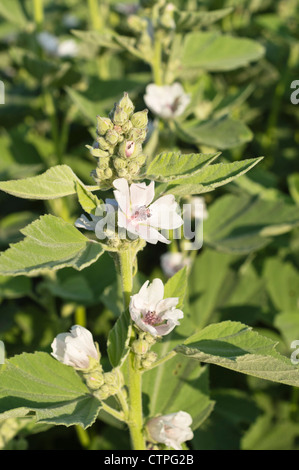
[48,42]
[67,48]
[171,263]
[151,312]
[171,430]
[51,45]
[75,348]
[167,101]
[139,216]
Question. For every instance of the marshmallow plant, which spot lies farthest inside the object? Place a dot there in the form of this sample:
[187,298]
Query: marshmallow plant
[151,349]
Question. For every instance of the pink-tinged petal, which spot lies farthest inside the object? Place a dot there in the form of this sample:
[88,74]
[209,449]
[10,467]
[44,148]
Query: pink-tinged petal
[138,193]
[164,213]
[122,194]
[155,292]
[150,234]
[166,304]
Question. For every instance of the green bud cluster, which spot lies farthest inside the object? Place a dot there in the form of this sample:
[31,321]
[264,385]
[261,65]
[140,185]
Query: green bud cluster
[141,348]
[111,384]
[118,146]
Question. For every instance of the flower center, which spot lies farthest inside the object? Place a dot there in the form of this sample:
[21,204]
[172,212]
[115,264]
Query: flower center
[141,214]
[151,318]
[174,106]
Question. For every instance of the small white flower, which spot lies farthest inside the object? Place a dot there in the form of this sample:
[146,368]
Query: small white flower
[151,312]
[75,348]
[48,42]
[67,48]
[171,263]
[167,101]
[171,430]
[139,216]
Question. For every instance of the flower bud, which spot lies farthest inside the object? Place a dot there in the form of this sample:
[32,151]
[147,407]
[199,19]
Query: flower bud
[119,163]
[108,173]
[120,117]
[112,137]
[140,347]
[103,144]
[127,127]
[103,393]
[140,160]
[140,119]
[138,135]
[94,380]
[122,173]
[149,360]
[103,163]
[127,105]
[103,125]
[133,168]
[76,349]
[97,152]
[126,148]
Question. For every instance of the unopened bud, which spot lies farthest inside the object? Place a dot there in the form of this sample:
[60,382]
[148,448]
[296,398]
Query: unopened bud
[140,119]
[108,173]
[119,163]
[94,380]
[103,163]
[112,137]
[140,160]
[122,172]
[103,393]
[133,168]
[127,105]
[127,148]
[140,347]
[127,127]
[103,144]
[138,135]
[97,152]
[103,125]
[120,117]
[149,360]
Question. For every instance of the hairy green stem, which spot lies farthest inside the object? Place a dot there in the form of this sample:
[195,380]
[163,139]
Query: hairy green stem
[135,417]
[38,9]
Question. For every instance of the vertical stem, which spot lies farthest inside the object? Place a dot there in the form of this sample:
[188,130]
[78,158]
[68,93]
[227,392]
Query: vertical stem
[157,60]
[94,14]
[38,9]
[135,421]
[80,315]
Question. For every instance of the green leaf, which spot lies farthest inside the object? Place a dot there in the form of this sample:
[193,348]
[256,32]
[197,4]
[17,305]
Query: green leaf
[88,201]
[187,386]
[187,20]
[169,165]
[176,286]
[118,339]
[237,347]
[222,133]
[209,178]
[50,244]
[13,288]
[293,181]
[243,223]
[56,182]
[214,52]
[12,11]
[282,280]
[52,391]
